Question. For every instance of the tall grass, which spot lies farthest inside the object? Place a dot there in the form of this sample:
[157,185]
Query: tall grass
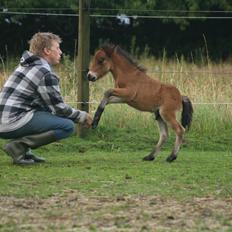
[208,85]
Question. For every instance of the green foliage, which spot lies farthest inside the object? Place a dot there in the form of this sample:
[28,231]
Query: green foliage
[36,4]
[177,35]
[169,8]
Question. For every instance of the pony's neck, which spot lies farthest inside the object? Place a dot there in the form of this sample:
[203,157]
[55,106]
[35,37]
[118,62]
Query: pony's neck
[121,67]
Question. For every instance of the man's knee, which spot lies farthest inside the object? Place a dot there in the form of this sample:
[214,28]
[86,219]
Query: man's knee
[69,127]
[64,129]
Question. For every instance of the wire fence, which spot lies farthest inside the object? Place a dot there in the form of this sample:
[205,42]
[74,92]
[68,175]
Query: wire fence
[153,70]
[15,11]
[5,9]
[194,103]
[115,9]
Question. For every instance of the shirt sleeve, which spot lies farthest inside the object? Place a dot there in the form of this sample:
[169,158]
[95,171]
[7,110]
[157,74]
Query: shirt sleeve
[49,91]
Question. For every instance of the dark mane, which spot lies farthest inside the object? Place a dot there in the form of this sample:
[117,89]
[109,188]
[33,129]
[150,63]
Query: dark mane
[130,59]
[109,48]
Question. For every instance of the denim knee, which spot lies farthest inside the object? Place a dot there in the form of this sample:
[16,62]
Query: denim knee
[70,126]
[66,130]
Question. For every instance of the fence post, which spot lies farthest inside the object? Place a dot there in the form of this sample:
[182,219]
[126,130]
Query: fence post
[83,60]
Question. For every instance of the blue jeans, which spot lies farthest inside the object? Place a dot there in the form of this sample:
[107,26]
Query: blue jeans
[43,122]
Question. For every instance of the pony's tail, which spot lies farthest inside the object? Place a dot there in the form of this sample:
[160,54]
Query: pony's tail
[187,112]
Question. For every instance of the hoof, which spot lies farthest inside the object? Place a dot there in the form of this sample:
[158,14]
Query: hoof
[148,158]
[171,158]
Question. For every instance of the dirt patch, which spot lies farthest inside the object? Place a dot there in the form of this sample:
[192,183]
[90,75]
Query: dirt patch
[72,211]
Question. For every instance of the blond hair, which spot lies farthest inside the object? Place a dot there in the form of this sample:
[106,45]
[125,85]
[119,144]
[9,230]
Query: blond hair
[42,40]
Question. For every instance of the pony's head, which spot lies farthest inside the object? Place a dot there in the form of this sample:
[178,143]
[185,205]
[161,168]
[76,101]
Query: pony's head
[101,63]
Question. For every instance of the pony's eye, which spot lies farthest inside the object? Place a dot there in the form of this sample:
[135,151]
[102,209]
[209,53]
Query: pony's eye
[101,61]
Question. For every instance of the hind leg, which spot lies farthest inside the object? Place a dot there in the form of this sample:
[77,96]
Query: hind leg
[162,139]
[170,118]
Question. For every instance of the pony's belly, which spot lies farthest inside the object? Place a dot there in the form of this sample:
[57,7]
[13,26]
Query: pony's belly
[143,106]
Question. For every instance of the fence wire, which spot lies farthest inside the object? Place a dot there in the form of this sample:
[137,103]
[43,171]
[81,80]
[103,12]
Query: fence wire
[5,11]
[194,103]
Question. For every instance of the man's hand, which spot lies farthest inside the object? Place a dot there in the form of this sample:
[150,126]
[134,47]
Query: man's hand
[88,121]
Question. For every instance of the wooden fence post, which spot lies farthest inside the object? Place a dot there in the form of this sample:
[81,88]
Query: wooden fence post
[83,60]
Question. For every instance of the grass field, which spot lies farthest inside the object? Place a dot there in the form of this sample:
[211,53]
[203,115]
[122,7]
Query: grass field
[100,183]
[87,188]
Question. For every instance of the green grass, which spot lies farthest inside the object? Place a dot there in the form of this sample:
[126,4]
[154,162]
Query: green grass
[109,160]
[91,171]
[100,183]
[90,185]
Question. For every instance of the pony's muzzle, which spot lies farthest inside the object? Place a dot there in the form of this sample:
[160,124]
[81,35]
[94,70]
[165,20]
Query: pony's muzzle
[91,76]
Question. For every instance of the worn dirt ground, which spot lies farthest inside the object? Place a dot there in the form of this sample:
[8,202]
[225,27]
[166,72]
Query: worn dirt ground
[71,211]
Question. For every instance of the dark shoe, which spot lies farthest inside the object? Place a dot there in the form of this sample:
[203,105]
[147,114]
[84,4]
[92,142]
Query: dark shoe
[29,155]
[24,161]
[18,148]
[15,151]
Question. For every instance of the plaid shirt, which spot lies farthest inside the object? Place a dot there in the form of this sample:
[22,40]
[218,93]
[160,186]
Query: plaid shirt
[32,87]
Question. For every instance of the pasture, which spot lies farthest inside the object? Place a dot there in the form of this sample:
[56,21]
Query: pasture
[100,183]
[87,187]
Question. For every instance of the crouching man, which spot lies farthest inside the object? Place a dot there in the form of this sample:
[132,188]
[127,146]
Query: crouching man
[32,110]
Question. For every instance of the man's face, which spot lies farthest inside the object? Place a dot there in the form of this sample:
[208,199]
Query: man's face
[53,54]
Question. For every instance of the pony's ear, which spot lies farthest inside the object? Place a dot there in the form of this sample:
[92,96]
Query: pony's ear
[108,48]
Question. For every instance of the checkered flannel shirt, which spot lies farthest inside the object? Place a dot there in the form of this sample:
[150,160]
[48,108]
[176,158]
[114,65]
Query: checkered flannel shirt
[32,87]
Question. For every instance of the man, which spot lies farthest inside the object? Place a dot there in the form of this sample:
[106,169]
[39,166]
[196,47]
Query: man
[32,110]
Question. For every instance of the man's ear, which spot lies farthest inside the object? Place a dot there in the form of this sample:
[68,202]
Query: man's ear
[46,51]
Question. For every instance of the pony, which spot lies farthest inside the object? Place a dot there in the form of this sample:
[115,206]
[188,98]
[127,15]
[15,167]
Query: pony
[134,87]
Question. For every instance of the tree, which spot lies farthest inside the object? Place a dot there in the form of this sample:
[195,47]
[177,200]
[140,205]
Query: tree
[174,34]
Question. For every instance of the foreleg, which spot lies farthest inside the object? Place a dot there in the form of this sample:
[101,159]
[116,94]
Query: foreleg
[109,98]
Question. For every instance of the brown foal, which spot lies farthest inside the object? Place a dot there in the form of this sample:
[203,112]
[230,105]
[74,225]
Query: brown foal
[135,88]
